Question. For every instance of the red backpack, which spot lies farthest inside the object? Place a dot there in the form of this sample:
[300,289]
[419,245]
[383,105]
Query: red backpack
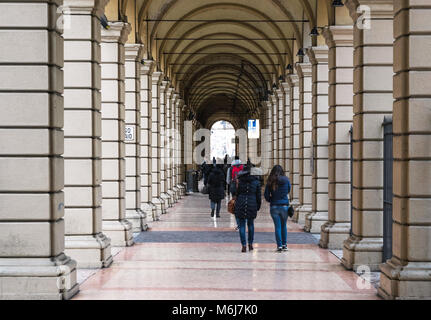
[235,171]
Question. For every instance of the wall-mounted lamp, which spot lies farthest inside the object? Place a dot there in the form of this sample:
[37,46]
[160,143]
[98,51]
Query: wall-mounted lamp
[301,53]
[337,3]
[314,32]
[104,22]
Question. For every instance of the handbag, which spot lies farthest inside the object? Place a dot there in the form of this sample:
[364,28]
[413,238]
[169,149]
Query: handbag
[231,206]
[290,211]
[231,203]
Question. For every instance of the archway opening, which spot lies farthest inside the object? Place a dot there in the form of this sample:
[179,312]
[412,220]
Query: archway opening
[222,141]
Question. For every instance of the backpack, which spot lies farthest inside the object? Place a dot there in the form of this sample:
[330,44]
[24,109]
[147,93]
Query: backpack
[235,171]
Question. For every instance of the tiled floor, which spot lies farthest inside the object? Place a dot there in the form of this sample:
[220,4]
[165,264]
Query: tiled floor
[189,255]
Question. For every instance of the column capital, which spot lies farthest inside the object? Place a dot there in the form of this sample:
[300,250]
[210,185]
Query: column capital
[170,91]
[118,32]
[293,80]
[285,86]
[96,7]
[338,36]
[318,54]
[157,77]
[379,9]
[304,69]
[134,51]
[147,67]
[164,85]
[280,92]
[274,98]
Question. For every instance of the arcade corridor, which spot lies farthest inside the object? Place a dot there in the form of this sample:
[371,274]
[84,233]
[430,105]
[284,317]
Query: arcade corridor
[106,110]
[189,255]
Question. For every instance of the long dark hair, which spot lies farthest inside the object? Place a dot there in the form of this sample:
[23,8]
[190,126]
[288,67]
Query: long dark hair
[276,172]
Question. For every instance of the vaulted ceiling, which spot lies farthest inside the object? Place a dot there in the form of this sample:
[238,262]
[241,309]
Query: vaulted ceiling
[223,56]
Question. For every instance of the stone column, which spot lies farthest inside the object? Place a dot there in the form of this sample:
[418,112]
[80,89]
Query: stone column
[85,241]
[114,223]
[134,214]
[169,154]
[164,86]
[157,200]
[270,146]
[319,215]
[180,146]
[305,128]
[32,260]
[274,104]
[372,102]
[147,69]
[175,149]
[340,43]
[294,140]
[407,275]
[286,128]
[280,126]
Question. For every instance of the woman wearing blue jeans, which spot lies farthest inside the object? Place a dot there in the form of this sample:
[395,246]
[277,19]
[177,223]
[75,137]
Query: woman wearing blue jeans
[277,194]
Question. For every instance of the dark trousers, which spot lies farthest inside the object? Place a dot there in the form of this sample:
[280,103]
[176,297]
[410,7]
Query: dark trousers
[214,204]
[250,225]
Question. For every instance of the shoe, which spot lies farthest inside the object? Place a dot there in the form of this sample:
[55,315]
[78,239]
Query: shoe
[284,248]
[250,247]
[279,249]
[212,214]
[244,249]
[218,216]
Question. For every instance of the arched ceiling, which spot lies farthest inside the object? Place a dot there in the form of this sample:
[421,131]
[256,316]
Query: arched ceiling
[223,56]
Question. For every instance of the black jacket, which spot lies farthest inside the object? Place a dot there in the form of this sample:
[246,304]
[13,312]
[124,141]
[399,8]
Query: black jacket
[248,195]
[216,184]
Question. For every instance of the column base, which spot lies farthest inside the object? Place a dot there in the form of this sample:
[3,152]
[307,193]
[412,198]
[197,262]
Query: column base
[173,197]
[119,231]
[294,204]
[183,188]
[138,219]
[314,221]
[405,282]
[89,251]
[169,201]
[333,235]
[164,197]
[38,278]
[158,208]
[177,193]
[301,212]
[362,251]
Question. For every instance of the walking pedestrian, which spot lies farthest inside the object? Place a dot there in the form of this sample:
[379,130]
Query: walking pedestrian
[216,181]
[277,194]
[247,204]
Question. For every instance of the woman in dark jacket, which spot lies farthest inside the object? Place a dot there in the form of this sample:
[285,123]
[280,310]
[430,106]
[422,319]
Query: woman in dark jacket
[277,194]
[248,201]
[216,181]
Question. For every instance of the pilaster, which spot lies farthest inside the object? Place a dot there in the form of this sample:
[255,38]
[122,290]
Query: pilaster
[305,128]
[32,260]
[147,69]
[84,239]
[114,222]
[293,81]
[319,215]
[340,43]
[134,213]
[407,275]
[160,203]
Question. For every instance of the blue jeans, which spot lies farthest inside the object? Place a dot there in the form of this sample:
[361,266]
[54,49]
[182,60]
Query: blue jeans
[250,225]
[213,205]
[279,216]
